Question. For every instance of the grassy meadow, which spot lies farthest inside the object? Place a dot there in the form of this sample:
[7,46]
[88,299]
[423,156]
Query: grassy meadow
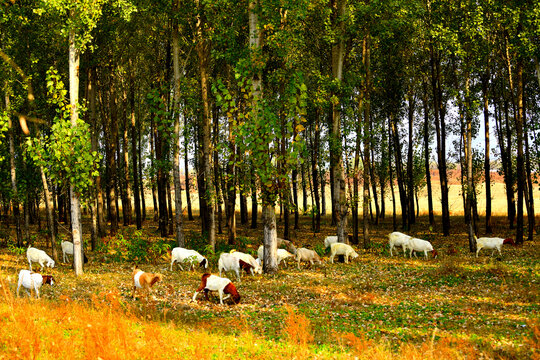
[377,307]
[455,306]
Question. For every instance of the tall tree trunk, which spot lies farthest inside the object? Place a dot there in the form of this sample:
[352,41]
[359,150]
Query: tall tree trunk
[111,158]
[314,170]
[98,217]
[399,173]
[323,188]
[94,211]
[270,239]
[76,227]
[338,57]
[254,209]
[382,178]
[268,207]
[26,214]
[372,176]
[513,100]
[141,181]
[440,130]
[410,160]
[243,207]
[332,202]
[285,186]
[304,188]
[186,171]
[170,222]
[134,150]
[178,223]
[152,164]
[520,157]
[295,196]
[469,158]
[217,170]
[510,190]
[163,215]
[506,164]
[391,175]
[126,201]
[487,165]
[294,181]
[427,152]
[231,186]
[203,54]
[13,171]
[366,59]
[356,178]
[530,184]
[50,216]
[312,199]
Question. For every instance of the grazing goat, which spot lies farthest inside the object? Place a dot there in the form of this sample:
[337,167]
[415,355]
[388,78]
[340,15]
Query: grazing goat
[329,240]
[181,255]
[304,254]
[143,280]
[31,280]
[219,284]
[491,243]
[415,244]
[229,262]
[342,249]
[67,248]
[247,258]
[287,244]
[398,239]
[332,239]
[39,256]
[282,254]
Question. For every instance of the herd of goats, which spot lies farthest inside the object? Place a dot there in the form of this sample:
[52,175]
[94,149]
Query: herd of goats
[237,261]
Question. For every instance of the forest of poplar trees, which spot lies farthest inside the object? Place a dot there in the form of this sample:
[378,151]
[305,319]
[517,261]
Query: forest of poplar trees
[265,105]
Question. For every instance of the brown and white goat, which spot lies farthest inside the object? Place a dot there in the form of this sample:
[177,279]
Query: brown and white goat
[221,285]
[143,280]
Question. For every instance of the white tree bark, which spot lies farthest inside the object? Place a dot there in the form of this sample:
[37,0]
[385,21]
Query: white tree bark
[76,227]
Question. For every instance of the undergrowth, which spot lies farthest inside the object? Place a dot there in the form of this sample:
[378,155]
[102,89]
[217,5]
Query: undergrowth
[106,327]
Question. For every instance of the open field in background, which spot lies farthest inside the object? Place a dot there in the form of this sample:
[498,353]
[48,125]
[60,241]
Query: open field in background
[378,307]
[498,197]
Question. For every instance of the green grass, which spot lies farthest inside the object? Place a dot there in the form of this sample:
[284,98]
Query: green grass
[492,304]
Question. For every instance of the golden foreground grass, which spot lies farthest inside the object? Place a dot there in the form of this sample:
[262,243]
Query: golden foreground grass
[105,329]
[378,307]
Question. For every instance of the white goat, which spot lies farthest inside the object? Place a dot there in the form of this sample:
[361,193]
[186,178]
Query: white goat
[398,239]
[229,262]
[329,240]
[181,255]
[67,248]
[332,239]
[415,244]
[282,254]
[491,243]
[247,258]
[304,254]
[219,284]
[39,256]
[342,249]
[31,280]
